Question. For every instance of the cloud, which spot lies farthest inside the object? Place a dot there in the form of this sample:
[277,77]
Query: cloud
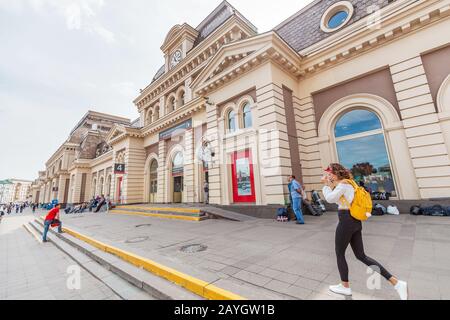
[78,14]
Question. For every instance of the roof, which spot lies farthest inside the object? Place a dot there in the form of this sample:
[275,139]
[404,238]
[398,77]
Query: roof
[105,116]
[303,28]
[214,20]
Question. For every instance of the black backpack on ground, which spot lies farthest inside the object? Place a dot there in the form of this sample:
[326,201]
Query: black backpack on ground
[435,211]
[416,211]
[311,209]
[378,210]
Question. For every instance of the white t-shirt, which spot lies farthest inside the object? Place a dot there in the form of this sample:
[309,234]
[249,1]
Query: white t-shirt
[334,196]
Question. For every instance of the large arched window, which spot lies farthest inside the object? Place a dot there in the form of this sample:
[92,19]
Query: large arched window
[362,148]
[154,176]
[231,121]
[178,164]
[247,116]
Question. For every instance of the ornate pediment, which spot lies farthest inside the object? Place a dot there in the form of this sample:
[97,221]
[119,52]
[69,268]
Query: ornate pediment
[228,62]
[117,131]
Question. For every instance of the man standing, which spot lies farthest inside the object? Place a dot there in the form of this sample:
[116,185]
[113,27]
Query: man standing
[297,193]
[51,219]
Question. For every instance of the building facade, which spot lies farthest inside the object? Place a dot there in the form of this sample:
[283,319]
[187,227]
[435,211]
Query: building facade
[363,83]
[15,191]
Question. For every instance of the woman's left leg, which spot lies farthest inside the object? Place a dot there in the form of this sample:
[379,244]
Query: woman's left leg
[358,248]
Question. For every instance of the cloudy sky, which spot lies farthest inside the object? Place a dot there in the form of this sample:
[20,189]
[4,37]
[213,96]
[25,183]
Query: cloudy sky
[61,58]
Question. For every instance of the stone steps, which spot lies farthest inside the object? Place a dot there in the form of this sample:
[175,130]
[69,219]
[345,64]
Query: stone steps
[116,273]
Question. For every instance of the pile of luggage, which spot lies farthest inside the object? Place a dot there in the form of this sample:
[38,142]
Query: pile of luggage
[431,211]
[315,208]
[380,210]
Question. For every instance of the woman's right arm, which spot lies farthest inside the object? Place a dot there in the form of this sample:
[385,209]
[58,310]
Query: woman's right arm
[333,196]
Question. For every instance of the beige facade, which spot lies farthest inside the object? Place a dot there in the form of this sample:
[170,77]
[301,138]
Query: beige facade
[17,191]
[245,110]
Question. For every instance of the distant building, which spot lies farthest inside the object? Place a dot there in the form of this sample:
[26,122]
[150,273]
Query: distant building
[15,190]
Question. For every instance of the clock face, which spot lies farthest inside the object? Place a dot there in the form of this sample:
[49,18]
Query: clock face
[176,58]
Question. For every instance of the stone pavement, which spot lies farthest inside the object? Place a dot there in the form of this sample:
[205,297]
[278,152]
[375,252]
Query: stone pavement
[271,260]
[33,271]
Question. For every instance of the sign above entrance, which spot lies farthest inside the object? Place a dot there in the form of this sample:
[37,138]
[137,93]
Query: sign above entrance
[177,130]
[119,168]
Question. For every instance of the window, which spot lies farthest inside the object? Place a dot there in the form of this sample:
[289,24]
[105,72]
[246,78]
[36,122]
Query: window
[362,148]
[231,121]
[337,19]
[156,113]
[181,99]
[247,116]
[171,105]
[336,16]
[178,164]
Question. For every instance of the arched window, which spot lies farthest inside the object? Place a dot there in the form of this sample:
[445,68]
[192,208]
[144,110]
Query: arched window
[108,186]
[149,117]
[94,188]
[181,99]
[231,121]
[156,113]
[102,181]
[154,176]
[247,116]
[362,148]
[178,164]
[170,104]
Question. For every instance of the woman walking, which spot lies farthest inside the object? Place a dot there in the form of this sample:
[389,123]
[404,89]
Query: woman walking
[349,231]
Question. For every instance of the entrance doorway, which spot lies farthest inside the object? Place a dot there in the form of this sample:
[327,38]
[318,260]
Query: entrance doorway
[177,175]
[153,181]
[119,189]
[178,189]
[243,177]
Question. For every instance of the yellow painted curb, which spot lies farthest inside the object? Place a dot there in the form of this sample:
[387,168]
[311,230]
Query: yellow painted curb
[197,286]
[166,209]
[155,215]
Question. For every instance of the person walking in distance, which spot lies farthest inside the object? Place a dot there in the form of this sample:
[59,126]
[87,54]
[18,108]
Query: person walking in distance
[52,218]
[297,193]
[206,192]
[338,190]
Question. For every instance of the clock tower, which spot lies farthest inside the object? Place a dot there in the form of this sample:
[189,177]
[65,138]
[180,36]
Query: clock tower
[179,41]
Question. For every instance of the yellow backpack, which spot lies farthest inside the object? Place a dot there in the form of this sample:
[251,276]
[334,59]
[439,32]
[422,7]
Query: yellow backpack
[361,207]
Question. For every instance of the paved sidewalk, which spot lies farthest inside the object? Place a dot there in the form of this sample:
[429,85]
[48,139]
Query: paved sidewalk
[271,260]
[33,271]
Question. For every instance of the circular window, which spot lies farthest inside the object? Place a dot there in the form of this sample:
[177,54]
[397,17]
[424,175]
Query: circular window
[337,16]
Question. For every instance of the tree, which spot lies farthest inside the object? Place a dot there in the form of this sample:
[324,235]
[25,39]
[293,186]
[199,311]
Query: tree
[363,169]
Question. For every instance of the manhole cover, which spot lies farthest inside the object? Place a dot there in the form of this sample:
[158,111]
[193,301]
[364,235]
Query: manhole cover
[143,225]
[137,240]
[193,248]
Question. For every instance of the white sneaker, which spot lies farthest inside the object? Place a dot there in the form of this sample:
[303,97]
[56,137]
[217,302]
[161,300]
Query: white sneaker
[340,289]
[402,290]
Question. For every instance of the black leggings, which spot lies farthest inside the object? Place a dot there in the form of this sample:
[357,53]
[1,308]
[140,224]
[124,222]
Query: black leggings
[349,231]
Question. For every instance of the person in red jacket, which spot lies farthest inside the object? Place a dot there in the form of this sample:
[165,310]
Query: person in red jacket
[52,218]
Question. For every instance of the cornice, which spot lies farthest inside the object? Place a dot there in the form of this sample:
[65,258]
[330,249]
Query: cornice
[184,112]
[397,20]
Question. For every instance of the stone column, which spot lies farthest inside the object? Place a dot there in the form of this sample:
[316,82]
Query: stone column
[215,194]
[425,138]
[274,160]
[189,181]
[133,183]
[162,172]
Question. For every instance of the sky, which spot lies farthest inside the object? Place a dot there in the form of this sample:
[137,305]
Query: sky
[61,58]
